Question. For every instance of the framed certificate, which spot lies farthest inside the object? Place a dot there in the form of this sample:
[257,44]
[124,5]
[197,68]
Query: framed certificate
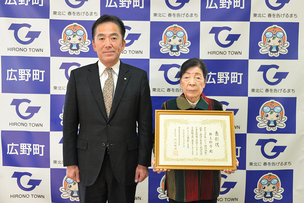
[194,139]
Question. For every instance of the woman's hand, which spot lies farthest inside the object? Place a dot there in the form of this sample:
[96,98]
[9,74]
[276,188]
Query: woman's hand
[157,170]
[231,171]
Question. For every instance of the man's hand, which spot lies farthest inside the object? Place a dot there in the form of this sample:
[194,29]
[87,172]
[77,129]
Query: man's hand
[142,172]
[73,173]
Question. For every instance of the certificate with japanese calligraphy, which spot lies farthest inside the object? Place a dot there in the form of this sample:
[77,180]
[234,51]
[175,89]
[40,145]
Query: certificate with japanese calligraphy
[194,139]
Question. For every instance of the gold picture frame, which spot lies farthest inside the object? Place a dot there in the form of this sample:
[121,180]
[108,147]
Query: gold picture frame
[194,140]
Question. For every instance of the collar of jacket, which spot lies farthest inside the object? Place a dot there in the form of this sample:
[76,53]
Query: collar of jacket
[183,104]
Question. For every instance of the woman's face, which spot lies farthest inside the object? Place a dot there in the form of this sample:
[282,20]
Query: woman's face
[193,83]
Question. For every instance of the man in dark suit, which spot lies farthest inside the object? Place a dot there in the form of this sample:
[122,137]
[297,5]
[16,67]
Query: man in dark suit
[101,147]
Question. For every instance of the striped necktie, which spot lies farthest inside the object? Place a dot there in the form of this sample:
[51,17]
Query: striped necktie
[108,90]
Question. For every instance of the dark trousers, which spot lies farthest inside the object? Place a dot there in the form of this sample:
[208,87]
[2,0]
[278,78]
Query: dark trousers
[106,188]
[201,201]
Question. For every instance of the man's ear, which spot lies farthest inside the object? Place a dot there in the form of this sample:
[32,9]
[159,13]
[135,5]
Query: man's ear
[123,45]
[94,46]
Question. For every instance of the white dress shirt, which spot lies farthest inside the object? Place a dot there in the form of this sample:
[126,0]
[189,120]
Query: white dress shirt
[103,74]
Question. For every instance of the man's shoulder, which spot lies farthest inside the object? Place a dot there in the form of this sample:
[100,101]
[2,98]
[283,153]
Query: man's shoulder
[85,67]
[132,68]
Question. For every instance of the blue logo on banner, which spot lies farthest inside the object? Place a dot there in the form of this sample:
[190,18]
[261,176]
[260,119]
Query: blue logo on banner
[31,110]
[231,38]
[268,186]
[268,40]
[131,37]
[279,76]
[241,145]
[221,82]
[276,149]
[280,2]
[272,115]
[74,39]
[174,41]
[218,10]
[157,192]
[166,68]
[25,8]
[181,4]
[227,109]
[32,35]
[25,74]
[274,41]
[57,102]
[63,189]
[80,3]
[71,39]
[127,10]
[26,149]
[69,189]
[33,183]
[66,67]
[227,186]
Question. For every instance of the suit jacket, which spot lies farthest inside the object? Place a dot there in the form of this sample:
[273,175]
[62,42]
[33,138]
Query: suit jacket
[87,130]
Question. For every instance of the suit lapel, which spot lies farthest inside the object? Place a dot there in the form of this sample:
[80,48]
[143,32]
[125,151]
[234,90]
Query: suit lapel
[122,81]
[94,83]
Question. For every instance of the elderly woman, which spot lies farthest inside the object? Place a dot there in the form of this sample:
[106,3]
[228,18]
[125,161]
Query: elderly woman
[196,186]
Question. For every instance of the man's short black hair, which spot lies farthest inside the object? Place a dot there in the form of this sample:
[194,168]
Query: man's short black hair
[109,18]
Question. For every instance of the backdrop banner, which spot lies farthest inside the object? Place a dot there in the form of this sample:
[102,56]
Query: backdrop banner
[254,53]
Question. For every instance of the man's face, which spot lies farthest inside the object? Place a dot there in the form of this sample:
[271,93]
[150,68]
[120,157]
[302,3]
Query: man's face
[108,43]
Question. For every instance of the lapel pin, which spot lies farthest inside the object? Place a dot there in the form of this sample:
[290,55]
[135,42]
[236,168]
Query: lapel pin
[125,78]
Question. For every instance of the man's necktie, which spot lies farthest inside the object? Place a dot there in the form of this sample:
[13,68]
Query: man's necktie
[108,90]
